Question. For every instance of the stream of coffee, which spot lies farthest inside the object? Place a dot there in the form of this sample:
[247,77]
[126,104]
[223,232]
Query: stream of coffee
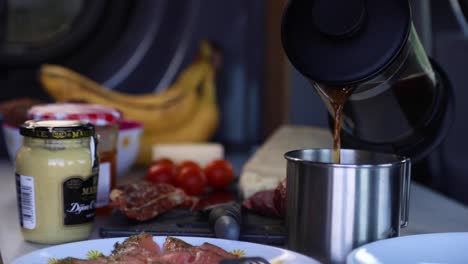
[336,97]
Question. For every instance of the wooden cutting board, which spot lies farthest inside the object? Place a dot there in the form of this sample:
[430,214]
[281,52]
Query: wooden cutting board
[267,166]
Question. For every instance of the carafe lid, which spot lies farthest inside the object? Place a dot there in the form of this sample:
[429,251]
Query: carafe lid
[344,41]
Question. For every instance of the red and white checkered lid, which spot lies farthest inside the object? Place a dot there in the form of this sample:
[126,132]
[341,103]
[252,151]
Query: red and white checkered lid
[95,114]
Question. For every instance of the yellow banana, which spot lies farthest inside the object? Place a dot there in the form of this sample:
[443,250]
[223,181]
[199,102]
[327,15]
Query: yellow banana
[185,112]
[157,112]
[58,81]
[198,128]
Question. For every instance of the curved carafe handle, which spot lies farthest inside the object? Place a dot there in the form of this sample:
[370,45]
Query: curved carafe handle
[405,193]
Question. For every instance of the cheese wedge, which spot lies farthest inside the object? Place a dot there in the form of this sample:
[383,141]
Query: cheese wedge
[267,167]
[201,153]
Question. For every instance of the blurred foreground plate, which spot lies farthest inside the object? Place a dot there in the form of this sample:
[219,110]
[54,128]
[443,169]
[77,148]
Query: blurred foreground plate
[80,249]
[447,248]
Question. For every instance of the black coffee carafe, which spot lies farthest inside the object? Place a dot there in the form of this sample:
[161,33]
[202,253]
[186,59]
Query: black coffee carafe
[401,102]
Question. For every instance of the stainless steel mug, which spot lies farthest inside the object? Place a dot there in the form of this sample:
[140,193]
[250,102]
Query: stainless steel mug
[334,208]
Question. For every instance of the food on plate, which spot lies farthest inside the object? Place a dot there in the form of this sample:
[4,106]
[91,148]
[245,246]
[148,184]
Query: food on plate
[145,200]
[138,249]
[162,172]
[191,179]
[141,249]
[178,251]
[219,173]
[268,202]
[186,111]
[200,153]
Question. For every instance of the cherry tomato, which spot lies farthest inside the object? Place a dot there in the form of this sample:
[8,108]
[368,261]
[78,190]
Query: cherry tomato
[191,180]
[187,164]
[219,174]
[161,173]
[164,161]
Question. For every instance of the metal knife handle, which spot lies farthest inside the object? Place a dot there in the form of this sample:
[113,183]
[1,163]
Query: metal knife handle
[226,227]
[226,220]
[230,209]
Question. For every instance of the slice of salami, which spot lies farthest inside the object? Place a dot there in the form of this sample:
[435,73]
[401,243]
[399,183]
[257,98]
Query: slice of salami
[144,200]
[262,203]
[280,198]
[268,202]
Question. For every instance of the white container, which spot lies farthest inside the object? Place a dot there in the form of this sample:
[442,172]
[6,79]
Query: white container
[128,145]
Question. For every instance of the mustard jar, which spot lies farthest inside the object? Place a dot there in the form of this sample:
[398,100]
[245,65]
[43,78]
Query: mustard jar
[105,121]
[56,178]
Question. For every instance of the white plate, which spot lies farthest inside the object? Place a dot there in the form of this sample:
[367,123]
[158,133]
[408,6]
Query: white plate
[421,249]
[79,250]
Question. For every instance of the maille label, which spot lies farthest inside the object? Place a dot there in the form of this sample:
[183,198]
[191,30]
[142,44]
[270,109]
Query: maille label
[61,134]
[79,199]
[57,129]
[41,134]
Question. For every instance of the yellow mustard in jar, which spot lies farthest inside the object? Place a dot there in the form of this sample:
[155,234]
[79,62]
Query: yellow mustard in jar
[105,120]
[56,179]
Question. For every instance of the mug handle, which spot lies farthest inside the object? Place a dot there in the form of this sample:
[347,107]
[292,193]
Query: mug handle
[405,193]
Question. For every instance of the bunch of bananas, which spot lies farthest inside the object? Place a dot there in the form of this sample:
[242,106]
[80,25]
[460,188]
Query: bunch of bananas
[184,112]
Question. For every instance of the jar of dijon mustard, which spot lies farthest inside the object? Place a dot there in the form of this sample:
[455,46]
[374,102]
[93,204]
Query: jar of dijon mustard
[56,176]
[105,121]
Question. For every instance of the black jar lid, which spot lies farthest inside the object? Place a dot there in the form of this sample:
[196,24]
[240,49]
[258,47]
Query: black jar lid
[344,41]
[57,129]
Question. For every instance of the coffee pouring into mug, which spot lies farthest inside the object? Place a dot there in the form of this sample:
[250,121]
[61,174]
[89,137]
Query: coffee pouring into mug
[384,94]
[334,208]
[366,62]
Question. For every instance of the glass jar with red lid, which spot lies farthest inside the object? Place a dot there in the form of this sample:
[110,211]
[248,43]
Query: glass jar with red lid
[106,121]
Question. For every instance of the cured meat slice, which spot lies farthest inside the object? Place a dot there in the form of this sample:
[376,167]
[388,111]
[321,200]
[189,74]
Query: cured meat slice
[172,243]
[145,200]
[142,249]
[178,251]
[268,202]
[139,249]
[262,202]
[217,250]
[136,249]
[280,198]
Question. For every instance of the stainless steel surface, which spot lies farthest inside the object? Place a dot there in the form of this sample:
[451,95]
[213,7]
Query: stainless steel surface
[334,208]
[405,194]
